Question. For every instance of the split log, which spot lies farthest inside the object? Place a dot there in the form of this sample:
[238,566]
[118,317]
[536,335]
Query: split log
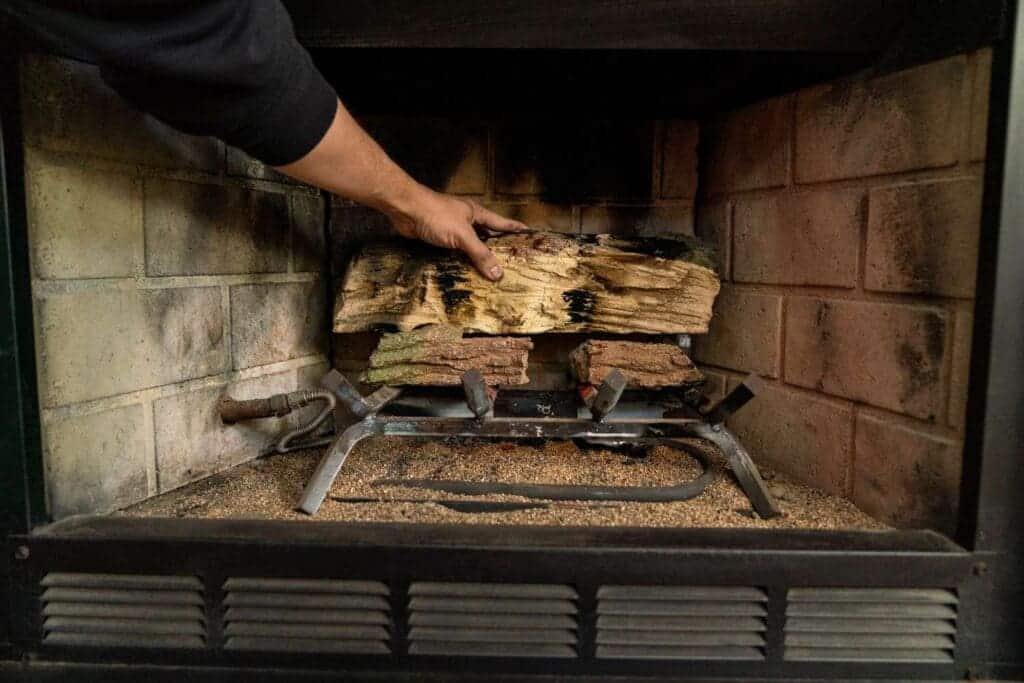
[437,355]
[552,283]
[646,366]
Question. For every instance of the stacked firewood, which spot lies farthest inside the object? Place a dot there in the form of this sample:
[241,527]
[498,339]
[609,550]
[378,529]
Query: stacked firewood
[552,283]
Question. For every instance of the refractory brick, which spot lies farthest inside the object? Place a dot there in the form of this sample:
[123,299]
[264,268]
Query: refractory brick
[906,477]
[204,229]
[898,122]
[277,322]
[96,463]
[744,332]
[923,238]
[888,355]
[94,344]
[83,223]
[810,238]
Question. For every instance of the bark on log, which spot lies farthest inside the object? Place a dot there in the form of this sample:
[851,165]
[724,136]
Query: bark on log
[646,366]
[437,355]
[552,283]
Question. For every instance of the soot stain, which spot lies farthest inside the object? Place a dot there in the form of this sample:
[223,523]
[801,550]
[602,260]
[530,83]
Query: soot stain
[580,303]
[449,275]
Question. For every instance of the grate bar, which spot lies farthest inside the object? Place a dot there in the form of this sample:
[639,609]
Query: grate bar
[492,590]
[681,608]
[320,631]
[128,581]
[877,642]
[85,609]
[495,635]
[879,626]
[660,652]
[322,601]
[686,593]
[327,645]
[306,616]
[123,640]
[680,638]
[192,627]
[486,621]
[865,610]
[261,585]
[805,654]
[125,596]
[876,595]
[494,606]
[481,649]
[642,623]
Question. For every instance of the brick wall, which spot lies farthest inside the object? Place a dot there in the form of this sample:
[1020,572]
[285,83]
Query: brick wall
[571,176]
[166,270]
[847,218]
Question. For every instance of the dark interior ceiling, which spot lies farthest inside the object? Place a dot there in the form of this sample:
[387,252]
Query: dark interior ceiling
[683,58]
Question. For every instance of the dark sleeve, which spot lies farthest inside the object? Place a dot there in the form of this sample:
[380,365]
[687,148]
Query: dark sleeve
[228,68]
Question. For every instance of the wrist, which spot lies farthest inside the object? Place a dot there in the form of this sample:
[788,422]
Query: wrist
[402,201]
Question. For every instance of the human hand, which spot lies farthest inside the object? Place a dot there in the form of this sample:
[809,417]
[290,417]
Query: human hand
[452,222]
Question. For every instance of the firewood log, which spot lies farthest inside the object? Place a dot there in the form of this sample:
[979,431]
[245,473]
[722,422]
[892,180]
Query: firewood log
[646,366]
[437,355]
[552,283]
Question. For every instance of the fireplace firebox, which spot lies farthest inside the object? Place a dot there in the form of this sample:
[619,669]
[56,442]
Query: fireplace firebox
[855,169]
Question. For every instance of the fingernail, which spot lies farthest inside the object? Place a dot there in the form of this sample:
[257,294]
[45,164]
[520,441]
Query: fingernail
[496,273]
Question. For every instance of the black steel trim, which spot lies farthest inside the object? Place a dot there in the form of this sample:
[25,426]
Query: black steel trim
[400,554]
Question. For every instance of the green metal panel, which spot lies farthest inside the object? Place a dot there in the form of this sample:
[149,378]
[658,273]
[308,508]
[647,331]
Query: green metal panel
[21,483]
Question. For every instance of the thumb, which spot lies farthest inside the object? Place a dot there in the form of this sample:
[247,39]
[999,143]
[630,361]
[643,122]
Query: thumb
[485,261]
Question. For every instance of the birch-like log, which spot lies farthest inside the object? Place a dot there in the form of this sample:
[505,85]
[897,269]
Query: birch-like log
[552,283]
[646,366]
[437,355]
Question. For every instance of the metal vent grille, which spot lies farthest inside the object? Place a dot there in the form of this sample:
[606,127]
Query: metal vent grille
[123,610]
[870,624]
[492,620]
[681,622]
[307,615]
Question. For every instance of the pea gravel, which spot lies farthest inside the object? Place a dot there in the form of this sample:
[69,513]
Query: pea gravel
[268,488]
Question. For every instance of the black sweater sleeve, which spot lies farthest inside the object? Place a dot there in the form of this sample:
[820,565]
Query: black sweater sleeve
[228,68]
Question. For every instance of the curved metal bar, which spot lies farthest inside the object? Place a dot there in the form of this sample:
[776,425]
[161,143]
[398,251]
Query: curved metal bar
[633,494]
[320,483]
[742,465]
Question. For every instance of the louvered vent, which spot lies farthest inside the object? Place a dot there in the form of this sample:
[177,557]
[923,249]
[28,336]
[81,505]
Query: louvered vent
[307,615]
[123,610]
[681,622]
[870,624]
[492,620]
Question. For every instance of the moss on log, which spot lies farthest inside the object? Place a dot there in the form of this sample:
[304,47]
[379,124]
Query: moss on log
[437,355]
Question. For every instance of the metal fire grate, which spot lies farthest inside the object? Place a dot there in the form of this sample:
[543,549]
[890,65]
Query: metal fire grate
[707,424]
[123,610]
[492,620]
[681,622]
[307,615]
[871,624]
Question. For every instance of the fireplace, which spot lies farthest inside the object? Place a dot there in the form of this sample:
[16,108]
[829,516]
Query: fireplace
[868,258]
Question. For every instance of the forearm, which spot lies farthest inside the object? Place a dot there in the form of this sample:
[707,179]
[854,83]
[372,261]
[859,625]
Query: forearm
[349,163]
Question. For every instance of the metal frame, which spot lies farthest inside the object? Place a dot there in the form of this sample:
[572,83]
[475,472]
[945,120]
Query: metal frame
[601,401]
[399,554]
[986,565]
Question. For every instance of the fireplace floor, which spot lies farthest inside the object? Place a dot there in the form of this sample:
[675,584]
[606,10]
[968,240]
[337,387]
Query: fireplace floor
[268,488]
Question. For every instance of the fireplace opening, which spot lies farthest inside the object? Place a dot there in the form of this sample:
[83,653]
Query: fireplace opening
[843,220]
[833,216]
